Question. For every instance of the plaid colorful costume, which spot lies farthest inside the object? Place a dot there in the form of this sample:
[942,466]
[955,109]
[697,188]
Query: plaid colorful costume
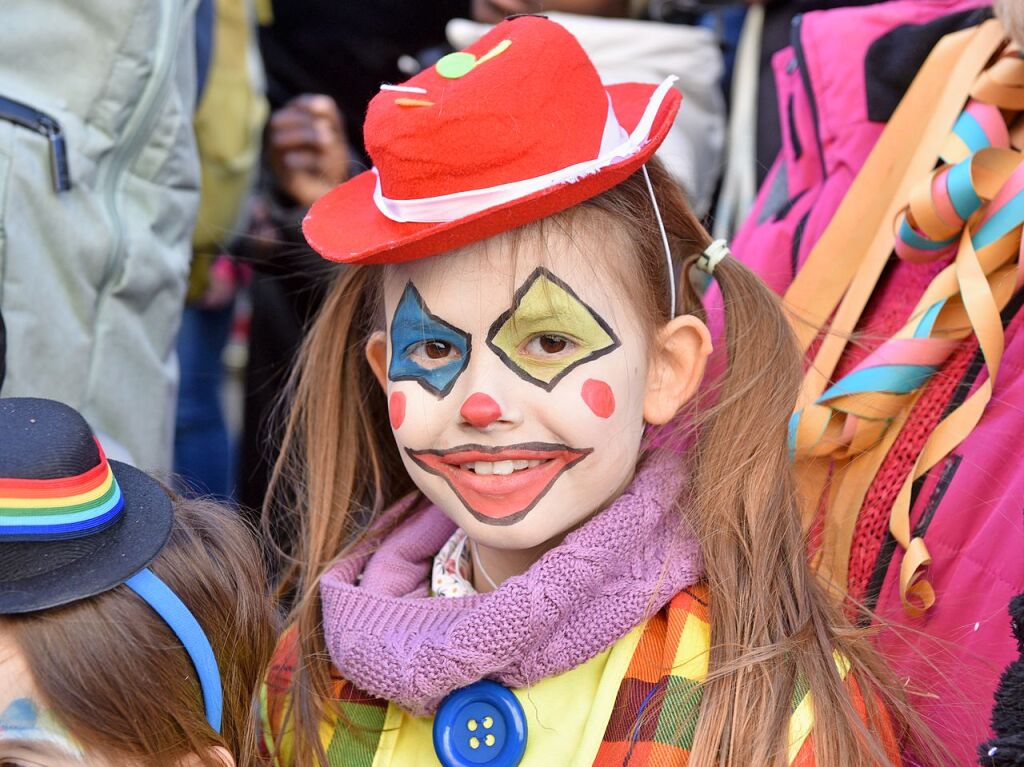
[653,719]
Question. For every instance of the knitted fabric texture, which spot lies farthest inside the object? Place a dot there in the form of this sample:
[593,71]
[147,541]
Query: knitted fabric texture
[652,722]
[618,569]
[873,520]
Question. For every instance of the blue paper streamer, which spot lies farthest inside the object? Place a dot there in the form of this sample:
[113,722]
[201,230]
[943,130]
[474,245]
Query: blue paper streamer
[971,133]
[1004,220]
[961,191]
[895,379]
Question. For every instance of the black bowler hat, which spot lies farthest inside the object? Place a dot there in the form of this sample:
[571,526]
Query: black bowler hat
[72,523]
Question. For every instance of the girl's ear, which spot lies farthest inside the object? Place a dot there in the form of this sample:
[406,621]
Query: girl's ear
[377,356]
[676,367]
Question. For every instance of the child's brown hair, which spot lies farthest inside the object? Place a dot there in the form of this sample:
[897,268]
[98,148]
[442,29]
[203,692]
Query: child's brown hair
[116,676]
[771,624]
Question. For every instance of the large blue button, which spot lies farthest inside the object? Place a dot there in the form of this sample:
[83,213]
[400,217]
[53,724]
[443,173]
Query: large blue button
[482,724]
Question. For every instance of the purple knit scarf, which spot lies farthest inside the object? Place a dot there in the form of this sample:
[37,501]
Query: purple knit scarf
[388,638]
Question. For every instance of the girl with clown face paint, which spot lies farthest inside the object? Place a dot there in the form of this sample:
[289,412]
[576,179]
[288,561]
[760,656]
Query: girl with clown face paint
[530,529]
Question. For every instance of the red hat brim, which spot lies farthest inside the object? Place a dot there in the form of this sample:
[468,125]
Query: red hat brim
[346,226]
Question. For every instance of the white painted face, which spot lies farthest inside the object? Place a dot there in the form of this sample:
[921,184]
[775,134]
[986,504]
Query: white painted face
[516,385]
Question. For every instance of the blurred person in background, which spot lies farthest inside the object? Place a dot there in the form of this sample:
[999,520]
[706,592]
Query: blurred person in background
[228,124]
[99,186]
[781,24]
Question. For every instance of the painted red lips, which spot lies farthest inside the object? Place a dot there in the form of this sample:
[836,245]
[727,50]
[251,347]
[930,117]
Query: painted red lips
[500,499]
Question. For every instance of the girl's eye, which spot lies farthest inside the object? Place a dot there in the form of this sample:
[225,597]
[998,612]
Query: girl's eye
[433,353]
[552,344]
[549,345]
[437,350]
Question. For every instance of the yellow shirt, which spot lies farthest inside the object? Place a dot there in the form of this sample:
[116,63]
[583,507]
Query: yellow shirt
[566,716]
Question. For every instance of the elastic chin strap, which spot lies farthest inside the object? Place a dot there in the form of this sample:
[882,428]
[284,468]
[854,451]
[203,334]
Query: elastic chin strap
[177,616]
[664,242]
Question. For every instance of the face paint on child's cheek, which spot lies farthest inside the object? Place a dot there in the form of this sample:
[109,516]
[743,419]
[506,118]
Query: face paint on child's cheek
[517,454]
[599,397]
[549,331]
[24,721]
[396,409]
[425,348]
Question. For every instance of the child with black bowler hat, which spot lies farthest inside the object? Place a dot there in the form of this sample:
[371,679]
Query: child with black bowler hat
[134,626]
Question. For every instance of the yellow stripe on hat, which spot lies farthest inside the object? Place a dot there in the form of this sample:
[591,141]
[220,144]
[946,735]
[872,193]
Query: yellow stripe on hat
[71,500]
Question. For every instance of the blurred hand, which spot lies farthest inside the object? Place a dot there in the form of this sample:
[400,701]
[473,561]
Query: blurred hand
[306,147]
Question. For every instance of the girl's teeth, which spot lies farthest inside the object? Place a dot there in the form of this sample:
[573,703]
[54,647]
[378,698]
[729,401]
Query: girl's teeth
[499,467]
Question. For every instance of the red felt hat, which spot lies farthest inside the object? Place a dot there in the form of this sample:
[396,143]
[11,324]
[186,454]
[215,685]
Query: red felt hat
[515,128]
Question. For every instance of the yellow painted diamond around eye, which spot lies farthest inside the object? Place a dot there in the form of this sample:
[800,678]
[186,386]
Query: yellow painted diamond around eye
[546,305]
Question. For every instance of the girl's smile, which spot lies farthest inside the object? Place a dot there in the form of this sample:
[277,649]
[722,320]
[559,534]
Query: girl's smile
[500,484]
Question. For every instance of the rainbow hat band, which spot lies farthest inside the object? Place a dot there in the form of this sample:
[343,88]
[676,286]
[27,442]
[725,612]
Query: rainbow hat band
[65,507]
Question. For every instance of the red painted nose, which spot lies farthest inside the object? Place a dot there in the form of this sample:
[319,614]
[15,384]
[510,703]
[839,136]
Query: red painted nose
[479,410]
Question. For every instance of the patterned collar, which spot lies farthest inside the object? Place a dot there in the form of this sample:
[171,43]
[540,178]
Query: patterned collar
[452,573]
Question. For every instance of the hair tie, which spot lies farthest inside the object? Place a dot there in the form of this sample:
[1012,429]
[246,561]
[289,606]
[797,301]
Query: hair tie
[712,256]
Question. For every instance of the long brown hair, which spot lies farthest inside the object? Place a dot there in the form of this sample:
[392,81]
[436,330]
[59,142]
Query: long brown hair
[116,676]
[771,624]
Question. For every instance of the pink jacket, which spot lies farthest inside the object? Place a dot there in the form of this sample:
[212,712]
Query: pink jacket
[837,84]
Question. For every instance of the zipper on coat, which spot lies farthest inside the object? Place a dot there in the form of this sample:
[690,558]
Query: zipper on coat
[805,78]
[140,122]
[28,117]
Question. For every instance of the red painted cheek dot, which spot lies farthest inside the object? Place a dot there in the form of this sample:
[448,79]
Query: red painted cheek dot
[599,398]
[396,409]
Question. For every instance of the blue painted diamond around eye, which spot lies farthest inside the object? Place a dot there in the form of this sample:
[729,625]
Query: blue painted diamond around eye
[480,725]
[412,326]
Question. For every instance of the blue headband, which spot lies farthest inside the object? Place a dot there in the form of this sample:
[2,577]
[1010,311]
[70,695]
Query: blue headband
[181,621]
